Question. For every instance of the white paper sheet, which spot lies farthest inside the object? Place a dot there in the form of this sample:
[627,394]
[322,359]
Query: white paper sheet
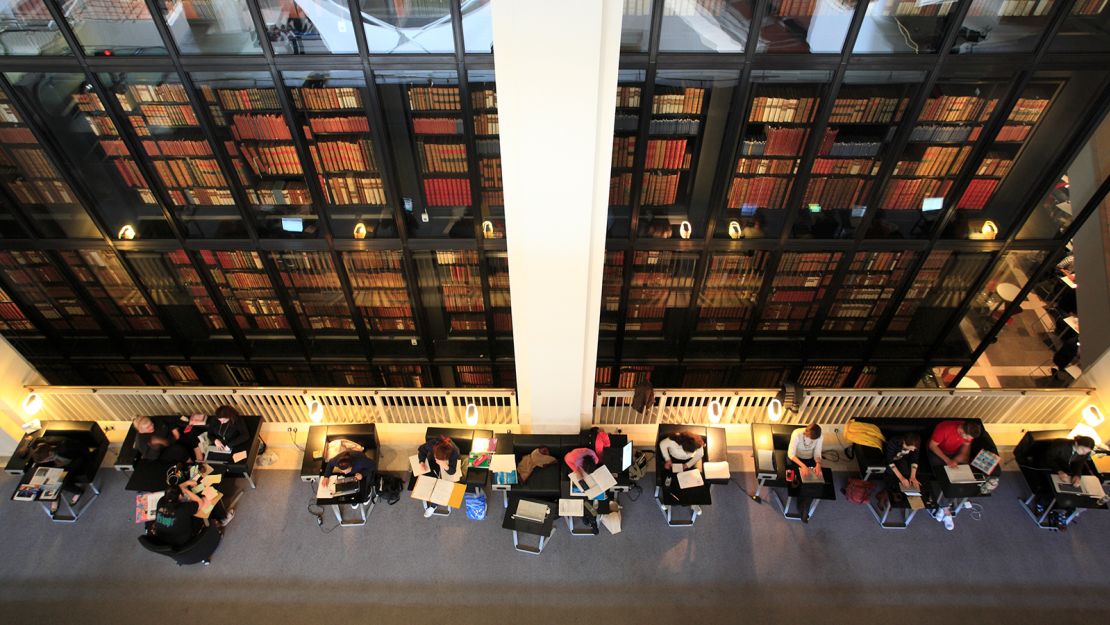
[716,470]
[502,463]
[612,522]
[572,507]
[690,479]
[599,481]
[414,464]
[1092,486]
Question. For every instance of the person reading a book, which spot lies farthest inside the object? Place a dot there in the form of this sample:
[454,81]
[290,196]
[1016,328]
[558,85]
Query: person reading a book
[61,452]
[805,449]
[226,430]
[951,442]
[160,441]
[444,452]
[1067,458]
[901,454]
[686,448]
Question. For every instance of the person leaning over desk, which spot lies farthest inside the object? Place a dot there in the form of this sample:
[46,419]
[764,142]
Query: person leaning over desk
[445,453]
[806,445]
[951,441]
[175,521]
[1067,458]
[61,452]
[901,454]
[349,462]
[684,447]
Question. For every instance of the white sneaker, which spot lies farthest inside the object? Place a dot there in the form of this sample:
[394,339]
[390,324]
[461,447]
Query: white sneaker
[967,505]
[428,512]
[228,518]
[949,524]
[696,509]
[938,515]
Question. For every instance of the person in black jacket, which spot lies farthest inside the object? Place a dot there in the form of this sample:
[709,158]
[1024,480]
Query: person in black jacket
[1067,458]
[226,430]
[901,454]
[62,452]
[175,522]
[158,440]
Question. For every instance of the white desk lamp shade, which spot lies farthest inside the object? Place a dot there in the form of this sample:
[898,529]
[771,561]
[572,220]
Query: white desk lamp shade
[32,403]
[1092,416]
[471,414]
[715,411]
[774,409]
[315,411]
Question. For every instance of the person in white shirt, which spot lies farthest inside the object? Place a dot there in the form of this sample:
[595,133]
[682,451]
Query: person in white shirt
[685,448]
[805,449]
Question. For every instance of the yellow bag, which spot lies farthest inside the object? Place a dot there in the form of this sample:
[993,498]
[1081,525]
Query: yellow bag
[866,434]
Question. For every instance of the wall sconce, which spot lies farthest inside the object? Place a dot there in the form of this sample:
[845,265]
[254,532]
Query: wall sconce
[360,230]
[734,230]
[989,229]
[774,409]
[685,230]
[487,229]
[32,403]
[1092,416]
[471,414]
[315,411]
[715,411]
[127,233]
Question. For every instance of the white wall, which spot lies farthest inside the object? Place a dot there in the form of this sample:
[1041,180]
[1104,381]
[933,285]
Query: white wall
[15,372]
[1091,244]
[556,67]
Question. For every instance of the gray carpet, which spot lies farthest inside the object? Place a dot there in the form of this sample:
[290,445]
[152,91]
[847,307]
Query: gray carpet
[741,562]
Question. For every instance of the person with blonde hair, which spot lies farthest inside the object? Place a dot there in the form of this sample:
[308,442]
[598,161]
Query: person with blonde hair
[157,440]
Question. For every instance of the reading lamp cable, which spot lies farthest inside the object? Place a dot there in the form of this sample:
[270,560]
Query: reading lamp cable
[318,511]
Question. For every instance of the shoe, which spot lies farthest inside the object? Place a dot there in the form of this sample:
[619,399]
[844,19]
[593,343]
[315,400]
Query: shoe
[949,524]
[54,507]
[938,515]
[967,505]
[355,506]
[228,518]
[428,512]
[696,509]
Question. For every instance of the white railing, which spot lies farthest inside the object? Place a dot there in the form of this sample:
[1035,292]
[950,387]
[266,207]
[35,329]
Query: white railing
[837,406]
[281,405]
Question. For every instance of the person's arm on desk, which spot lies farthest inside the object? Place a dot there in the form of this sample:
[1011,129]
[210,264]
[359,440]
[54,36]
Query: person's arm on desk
[695,458]
[935,448]
[665,447]
[792,452]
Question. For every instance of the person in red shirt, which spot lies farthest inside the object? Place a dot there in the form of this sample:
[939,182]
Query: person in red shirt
[951,442]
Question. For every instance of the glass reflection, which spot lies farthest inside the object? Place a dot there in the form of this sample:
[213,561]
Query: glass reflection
[212,27]
[107,27]
[308,26]
[408,26]
[704,25]
[903,26]
[26,28]
[805,26]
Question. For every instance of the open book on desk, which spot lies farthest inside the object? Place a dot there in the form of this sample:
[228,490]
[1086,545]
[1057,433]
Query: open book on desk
[439,492]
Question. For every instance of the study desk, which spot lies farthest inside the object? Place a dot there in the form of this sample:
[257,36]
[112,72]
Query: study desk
[129,460]
[312,468]
[524,526]
[769,445]
[815,492]
[888,499]
[667,491]
[472,477]
[1076,503]
[956,494]
[86,476]
[604,506]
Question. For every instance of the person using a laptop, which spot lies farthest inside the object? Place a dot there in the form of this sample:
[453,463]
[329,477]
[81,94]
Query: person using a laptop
[951,442]
[804,450]
[1066,458]
[686,448]
[350,463]
[901,453]
[226,430]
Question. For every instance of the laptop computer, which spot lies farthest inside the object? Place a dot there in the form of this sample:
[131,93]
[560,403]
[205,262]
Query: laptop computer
[962,474]
[910,491]
[216,456]
[813,477]
[344,486]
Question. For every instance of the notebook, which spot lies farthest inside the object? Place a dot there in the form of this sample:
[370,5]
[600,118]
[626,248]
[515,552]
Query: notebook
[813,477]
[716,470]
[910,491]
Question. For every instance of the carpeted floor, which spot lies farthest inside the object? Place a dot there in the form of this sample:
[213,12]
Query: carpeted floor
[742,562]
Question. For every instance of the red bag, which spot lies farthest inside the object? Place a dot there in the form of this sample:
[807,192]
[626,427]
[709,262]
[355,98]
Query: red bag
[858,491]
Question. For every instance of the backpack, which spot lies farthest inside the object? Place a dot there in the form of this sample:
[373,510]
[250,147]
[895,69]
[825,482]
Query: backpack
[387,488]
[858,491]
[640,461]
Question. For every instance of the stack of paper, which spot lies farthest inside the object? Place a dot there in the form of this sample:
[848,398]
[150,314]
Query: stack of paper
[716,470]
[690,479]
[571,507]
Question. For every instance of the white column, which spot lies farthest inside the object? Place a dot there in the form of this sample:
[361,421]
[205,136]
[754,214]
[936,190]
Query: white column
[15,372]
[556,67]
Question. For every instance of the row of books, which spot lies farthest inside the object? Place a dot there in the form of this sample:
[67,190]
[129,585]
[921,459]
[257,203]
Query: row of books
[203,197]
[836,193]
[808,261]
[472,324]
[936,161]
[950,108]
[628,96]
[620,190]
[483,99]
[358,262]
[1028,110]
[104,127]
[336,125]
[129,173]
[453,303]
[766,166]
[994,167]
[349,190]
[977,194]
[434,99]
[909,194]
[388,323]
[493,198]
[1010,8]
[17,135]
[88,102]
[456,257]
[232,260]
[443,157]
[340,156]
[875,261]
[689,100]
[166,92]
[666,154]
[278,196]
[437,125]
[916,8]
[244,99]
[260,127]
[855,166]
[1088,7]
[167,115]
[447,191]
[330,319]
[377,281]
[269,160]
[624,151]
[490,170]
[779,295]
[758,192]
[41,192]
[327,98]
[785,141]
[486,124]
[659,189]
[795,109]
[190,172]
[867,110]
[1013,133]
[944,134]
[672,126]
[176,147]
[713,325]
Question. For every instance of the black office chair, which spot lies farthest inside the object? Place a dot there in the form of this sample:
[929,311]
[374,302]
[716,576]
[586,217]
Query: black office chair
[199,548]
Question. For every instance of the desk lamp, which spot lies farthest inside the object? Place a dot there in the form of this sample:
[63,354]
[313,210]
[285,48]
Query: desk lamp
[32,403]
[315,410]
[715,411]
[471,414]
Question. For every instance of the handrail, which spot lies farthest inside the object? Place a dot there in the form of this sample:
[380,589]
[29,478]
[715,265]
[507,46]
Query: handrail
[424,406]
[837,406]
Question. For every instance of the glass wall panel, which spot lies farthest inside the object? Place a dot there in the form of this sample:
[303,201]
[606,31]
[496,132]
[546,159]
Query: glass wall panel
[37,282]
[866,293]
[258,141]
[408,26]
[977,216]
[380,291]
[774,138]
[451,289]
[805,26]
[36,184]
[730,294]
[308,26]
[611,286]
[332,117]
[1087,29]
[1001,26]
[626,130]
[10,226]
[904,26]
[212,27]
[799,287]
[317,297]
[704,25]
[176,289]
[487,133]
[83,130]
[662,285]
[497,272]
[26,28]
[243,283]
[158,110]
[635,26]
[111,27]
[864,118]
[477,22]
[13,323]
[112,290]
